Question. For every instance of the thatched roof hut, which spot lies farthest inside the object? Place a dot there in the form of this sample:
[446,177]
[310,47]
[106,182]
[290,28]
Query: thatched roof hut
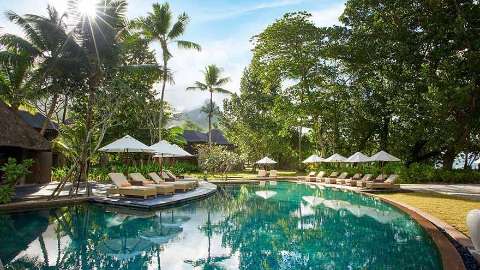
[17,133]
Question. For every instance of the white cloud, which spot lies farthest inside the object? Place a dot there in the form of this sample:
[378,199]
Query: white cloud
[238,11]
[230,54]
[328,16]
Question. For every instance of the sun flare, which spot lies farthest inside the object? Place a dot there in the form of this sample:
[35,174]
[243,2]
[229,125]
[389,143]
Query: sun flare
[88,7]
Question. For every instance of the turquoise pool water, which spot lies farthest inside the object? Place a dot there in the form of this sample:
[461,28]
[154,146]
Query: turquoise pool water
[284,226]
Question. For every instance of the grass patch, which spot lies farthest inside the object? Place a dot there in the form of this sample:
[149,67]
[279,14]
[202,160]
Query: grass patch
[450,209]
[243,174]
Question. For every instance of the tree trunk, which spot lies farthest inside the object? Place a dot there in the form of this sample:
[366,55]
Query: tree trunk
[465,164]
[65,106]
[384,133]
[162,95]
[448,159]
[93,83]
[210,119]
[49,114]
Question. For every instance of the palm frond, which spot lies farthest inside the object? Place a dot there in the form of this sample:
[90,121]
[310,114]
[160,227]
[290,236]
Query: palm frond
[223,81]
[178,28]
[11,41]
[28,29]
[221,90]
[161,19]
[198,86]
[188,45]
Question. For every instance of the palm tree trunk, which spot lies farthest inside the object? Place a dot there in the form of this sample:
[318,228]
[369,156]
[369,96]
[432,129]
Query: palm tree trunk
[49,114]
[210,120]
[162,96]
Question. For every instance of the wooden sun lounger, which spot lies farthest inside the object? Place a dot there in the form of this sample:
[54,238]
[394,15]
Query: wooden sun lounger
[123,187]
[331,179]
[273,174]
[323,179]
[162,188]
[319,176]
[177,179]
[363,182]
[353,181]
[179,184]
[389,183]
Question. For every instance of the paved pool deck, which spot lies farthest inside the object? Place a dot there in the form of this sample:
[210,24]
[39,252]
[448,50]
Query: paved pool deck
[32,197]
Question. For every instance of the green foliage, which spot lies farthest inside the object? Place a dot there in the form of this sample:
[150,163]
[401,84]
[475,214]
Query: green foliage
[13,171]
[100,173]
[218,159]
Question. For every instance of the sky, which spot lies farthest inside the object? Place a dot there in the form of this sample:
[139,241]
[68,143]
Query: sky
[222,28]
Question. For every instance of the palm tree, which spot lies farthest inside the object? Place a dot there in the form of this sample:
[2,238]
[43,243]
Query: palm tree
[213,84]
[158,26]
[99,36]
[52,48]
[15,76]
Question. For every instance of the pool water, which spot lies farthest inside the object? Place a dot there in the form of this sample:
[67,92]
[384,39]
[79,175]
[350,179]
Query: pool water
[283,226]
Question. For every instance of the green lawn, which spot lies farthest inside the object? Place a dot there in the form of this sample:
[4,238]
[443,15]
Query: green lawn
[452,210]
[243,174]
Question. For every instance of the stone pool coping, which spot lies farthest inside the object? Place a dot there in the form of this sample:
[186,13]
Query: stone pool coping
[204,190]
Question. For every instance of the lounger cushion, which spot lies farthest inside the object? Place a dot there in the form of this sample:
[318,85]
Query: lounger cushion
[126,185]
[148,182]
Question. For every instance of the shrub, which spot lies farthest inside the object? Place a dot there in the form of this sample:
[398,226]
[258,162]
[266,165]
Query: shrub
[13,172]
[218,159]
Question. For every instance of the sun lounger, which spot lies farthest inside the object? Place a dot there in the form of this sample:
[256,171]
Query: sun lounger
[273,174]
[123,187]
[319,176]
[176,178]
[262,174]
[389,183]
[180,185]
[162,188]
[353,181]
[332,175]
[338,180]
[363,182]
[309,177]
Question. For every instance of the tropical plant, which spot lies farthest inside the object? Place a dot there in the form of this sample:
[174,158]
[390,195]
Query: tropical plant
[158,26]
[15,75]
[212,83]
[53,49]
[13,172]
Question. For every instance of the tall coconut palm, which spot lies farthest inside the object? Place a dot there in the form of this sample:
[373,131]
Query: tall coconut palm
[99,36]
[212,84]
[159,27]
[15,76]
[47,41]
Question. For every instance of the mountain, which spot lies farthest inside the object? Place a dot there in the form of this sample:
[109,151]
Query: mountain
[194,119]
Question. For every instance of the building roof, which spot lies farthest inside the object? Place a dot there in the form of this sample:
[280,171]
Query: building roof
[36,120]
[17,133]
[193,137]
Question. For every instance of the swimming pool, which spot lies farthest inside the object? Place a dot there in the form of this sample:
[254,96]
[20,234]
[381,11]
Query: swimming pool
[283,226]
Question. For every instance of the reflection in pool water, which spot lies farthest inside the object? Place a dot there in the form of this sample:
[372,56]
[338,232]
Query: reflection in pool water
[286,226]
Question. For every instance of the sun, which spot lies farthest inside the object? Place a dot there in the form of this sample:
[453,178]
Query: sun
[87,7]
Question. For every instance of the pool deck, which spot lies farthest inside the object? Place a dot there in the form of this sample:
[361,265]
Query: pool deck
[205,189]
[35,197]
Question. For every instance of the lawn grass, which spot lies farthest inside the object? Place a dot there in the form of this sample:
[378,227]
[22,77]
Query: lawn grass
[242,174]
[450,209]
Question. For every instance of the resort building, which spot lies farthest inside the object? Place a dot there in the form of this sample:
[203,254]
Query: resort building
[194,138]
[20,141]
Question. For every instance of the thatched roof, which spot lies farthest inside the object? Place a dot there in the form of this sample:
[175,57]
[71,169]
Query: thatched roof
[16,133]
[193,137]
